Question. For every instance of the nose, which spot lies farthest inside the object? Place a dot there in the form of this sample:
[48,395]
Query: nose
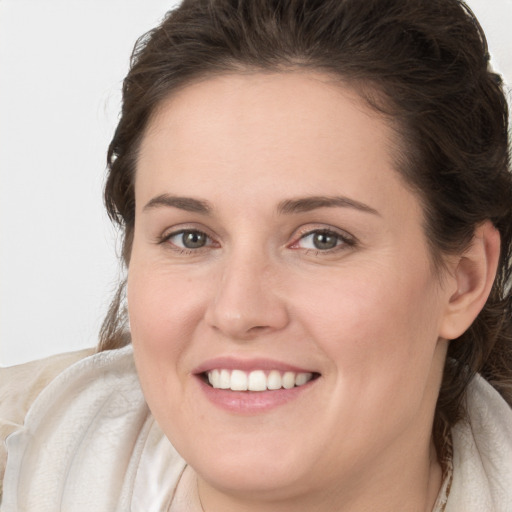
[248,301]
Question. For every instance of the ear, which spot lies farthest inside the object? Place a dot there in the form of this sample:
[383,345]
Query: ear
[473,275]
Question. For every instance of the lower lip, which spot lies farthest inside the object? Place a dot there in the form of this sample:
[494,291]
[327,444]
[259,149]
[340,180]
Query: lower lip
[252,402]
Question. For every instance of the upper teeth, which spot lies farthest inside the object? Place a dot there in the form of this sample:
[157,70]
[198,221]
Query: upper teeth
[257,380]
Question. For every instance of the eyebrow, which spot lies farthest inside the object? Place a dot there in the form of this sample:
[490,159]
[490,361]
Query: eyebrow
[188,204]
[287,207]
[308,204]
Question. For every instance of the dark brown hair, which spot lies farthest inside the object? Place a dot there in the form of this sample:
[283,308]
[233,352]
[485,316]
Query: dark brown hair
[422,64]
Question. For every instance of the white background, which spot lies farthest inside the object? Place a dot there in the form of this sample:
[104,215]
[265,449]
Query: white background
[61,67]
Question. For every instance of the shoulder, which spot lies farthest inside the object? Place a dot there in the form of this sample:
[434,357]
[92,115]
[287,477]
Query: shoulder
[90,429]
[482,458]
[21,384]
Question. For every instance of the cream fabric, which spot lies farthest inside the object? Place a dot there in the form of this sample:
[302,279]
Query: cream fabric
[19,387]
[90,443]
[482,454]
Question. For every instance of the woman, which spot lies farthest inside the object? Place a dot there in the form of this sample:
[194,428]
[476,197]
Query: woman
[316,206]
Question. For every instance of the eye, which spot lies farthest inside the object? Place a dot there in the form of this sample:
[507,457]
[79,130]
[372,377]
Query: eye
[323,240]
[188,239]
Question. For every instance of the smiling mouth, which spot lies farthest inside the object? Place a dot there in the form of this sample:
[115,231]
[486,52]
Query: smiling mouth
[256,380]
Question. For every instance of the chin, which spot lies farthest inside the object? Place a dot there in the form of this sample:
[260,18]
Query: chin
[271,478]
[257,466]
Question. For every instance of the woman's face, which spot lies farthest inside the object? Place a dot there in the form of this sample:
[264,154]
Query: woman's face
[276,245]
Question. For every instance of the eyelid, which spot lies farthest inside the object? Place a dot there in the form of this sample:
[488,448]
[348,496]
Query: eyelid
[173,231]
[347,240]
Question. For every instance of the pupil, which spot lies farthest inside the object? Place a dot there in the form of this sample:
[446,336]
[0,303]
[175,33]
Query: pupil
[193,240]
[324,241]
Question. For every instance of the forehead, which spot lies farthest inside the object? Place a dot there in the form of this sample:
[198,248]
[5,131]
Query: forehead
[306,130]
[307,102]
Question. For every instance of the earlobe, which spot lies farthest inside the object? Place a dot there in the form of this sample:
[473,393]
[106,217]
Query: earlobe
[474,275]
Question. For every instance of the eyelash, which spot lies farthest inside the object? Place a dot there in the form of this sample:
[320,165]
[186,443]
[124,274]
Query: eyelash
[185,250]
[343,241]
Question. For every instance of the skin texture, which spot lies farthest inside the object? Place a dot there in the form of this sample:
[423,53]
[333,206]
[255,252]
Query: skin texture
[370,316]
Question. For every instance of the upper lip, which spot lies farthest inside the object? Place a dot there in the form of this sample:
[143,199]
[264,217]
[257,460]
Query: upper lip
[248,365]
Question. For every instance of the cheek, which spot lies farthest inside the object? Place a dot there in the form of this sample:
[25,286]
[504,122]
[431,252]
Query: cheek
[163,309]
[381,340]
[163,314]
[378,323]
